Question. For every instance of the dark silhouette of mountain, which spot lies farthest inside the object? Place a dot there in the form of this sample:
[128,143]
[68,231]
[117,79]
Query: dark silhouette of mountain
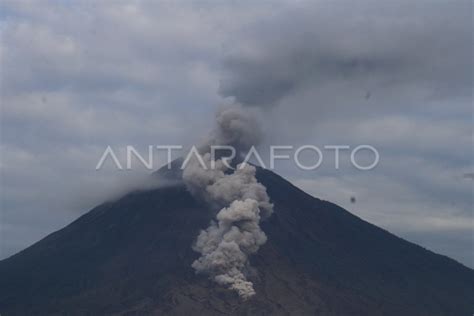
[133,256]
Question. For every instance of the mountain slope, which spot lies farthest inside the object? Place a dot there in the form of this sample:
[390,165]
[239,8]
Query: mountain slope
[133,257]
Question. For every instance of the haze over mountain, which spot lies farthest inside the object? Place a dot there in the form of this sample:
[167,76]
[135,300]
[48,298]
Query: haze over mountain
[133,256]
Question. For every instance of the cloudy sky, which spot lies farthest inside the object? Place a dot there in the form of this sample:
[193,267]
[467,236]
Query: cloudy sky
[79,76]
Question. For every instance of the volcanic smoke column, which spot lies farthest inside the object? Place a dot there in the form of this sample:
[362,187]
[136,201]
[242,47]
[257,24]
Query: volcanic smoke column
[235,233]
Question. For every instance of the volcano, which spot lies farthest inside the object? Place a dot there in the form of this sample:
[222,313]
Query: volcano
[133,256]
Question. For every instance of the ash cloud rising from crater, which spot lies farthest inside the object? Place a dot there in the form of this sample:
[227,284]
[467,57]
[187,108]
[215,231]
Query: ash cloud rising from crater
[235,234]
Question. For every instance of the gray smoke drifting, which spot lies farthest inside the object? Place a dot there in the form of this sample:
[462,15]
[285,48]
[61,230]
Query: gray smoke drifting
[220,188]
[227,243]
[236,127]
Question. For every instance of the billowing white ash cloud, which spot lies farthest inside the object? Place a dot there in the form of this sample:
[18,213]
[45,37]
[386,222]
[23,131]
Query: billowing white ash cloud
[235,234]
[226,244]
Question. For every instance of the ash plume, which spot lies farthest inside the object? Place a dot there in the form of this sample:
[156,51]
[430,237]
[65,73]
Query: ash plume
[220,188]
[226,245]
[235,233]
[236,127]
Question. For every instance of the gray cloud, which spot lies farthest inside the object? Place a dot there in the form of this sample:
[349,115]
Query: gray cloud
[370,46]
